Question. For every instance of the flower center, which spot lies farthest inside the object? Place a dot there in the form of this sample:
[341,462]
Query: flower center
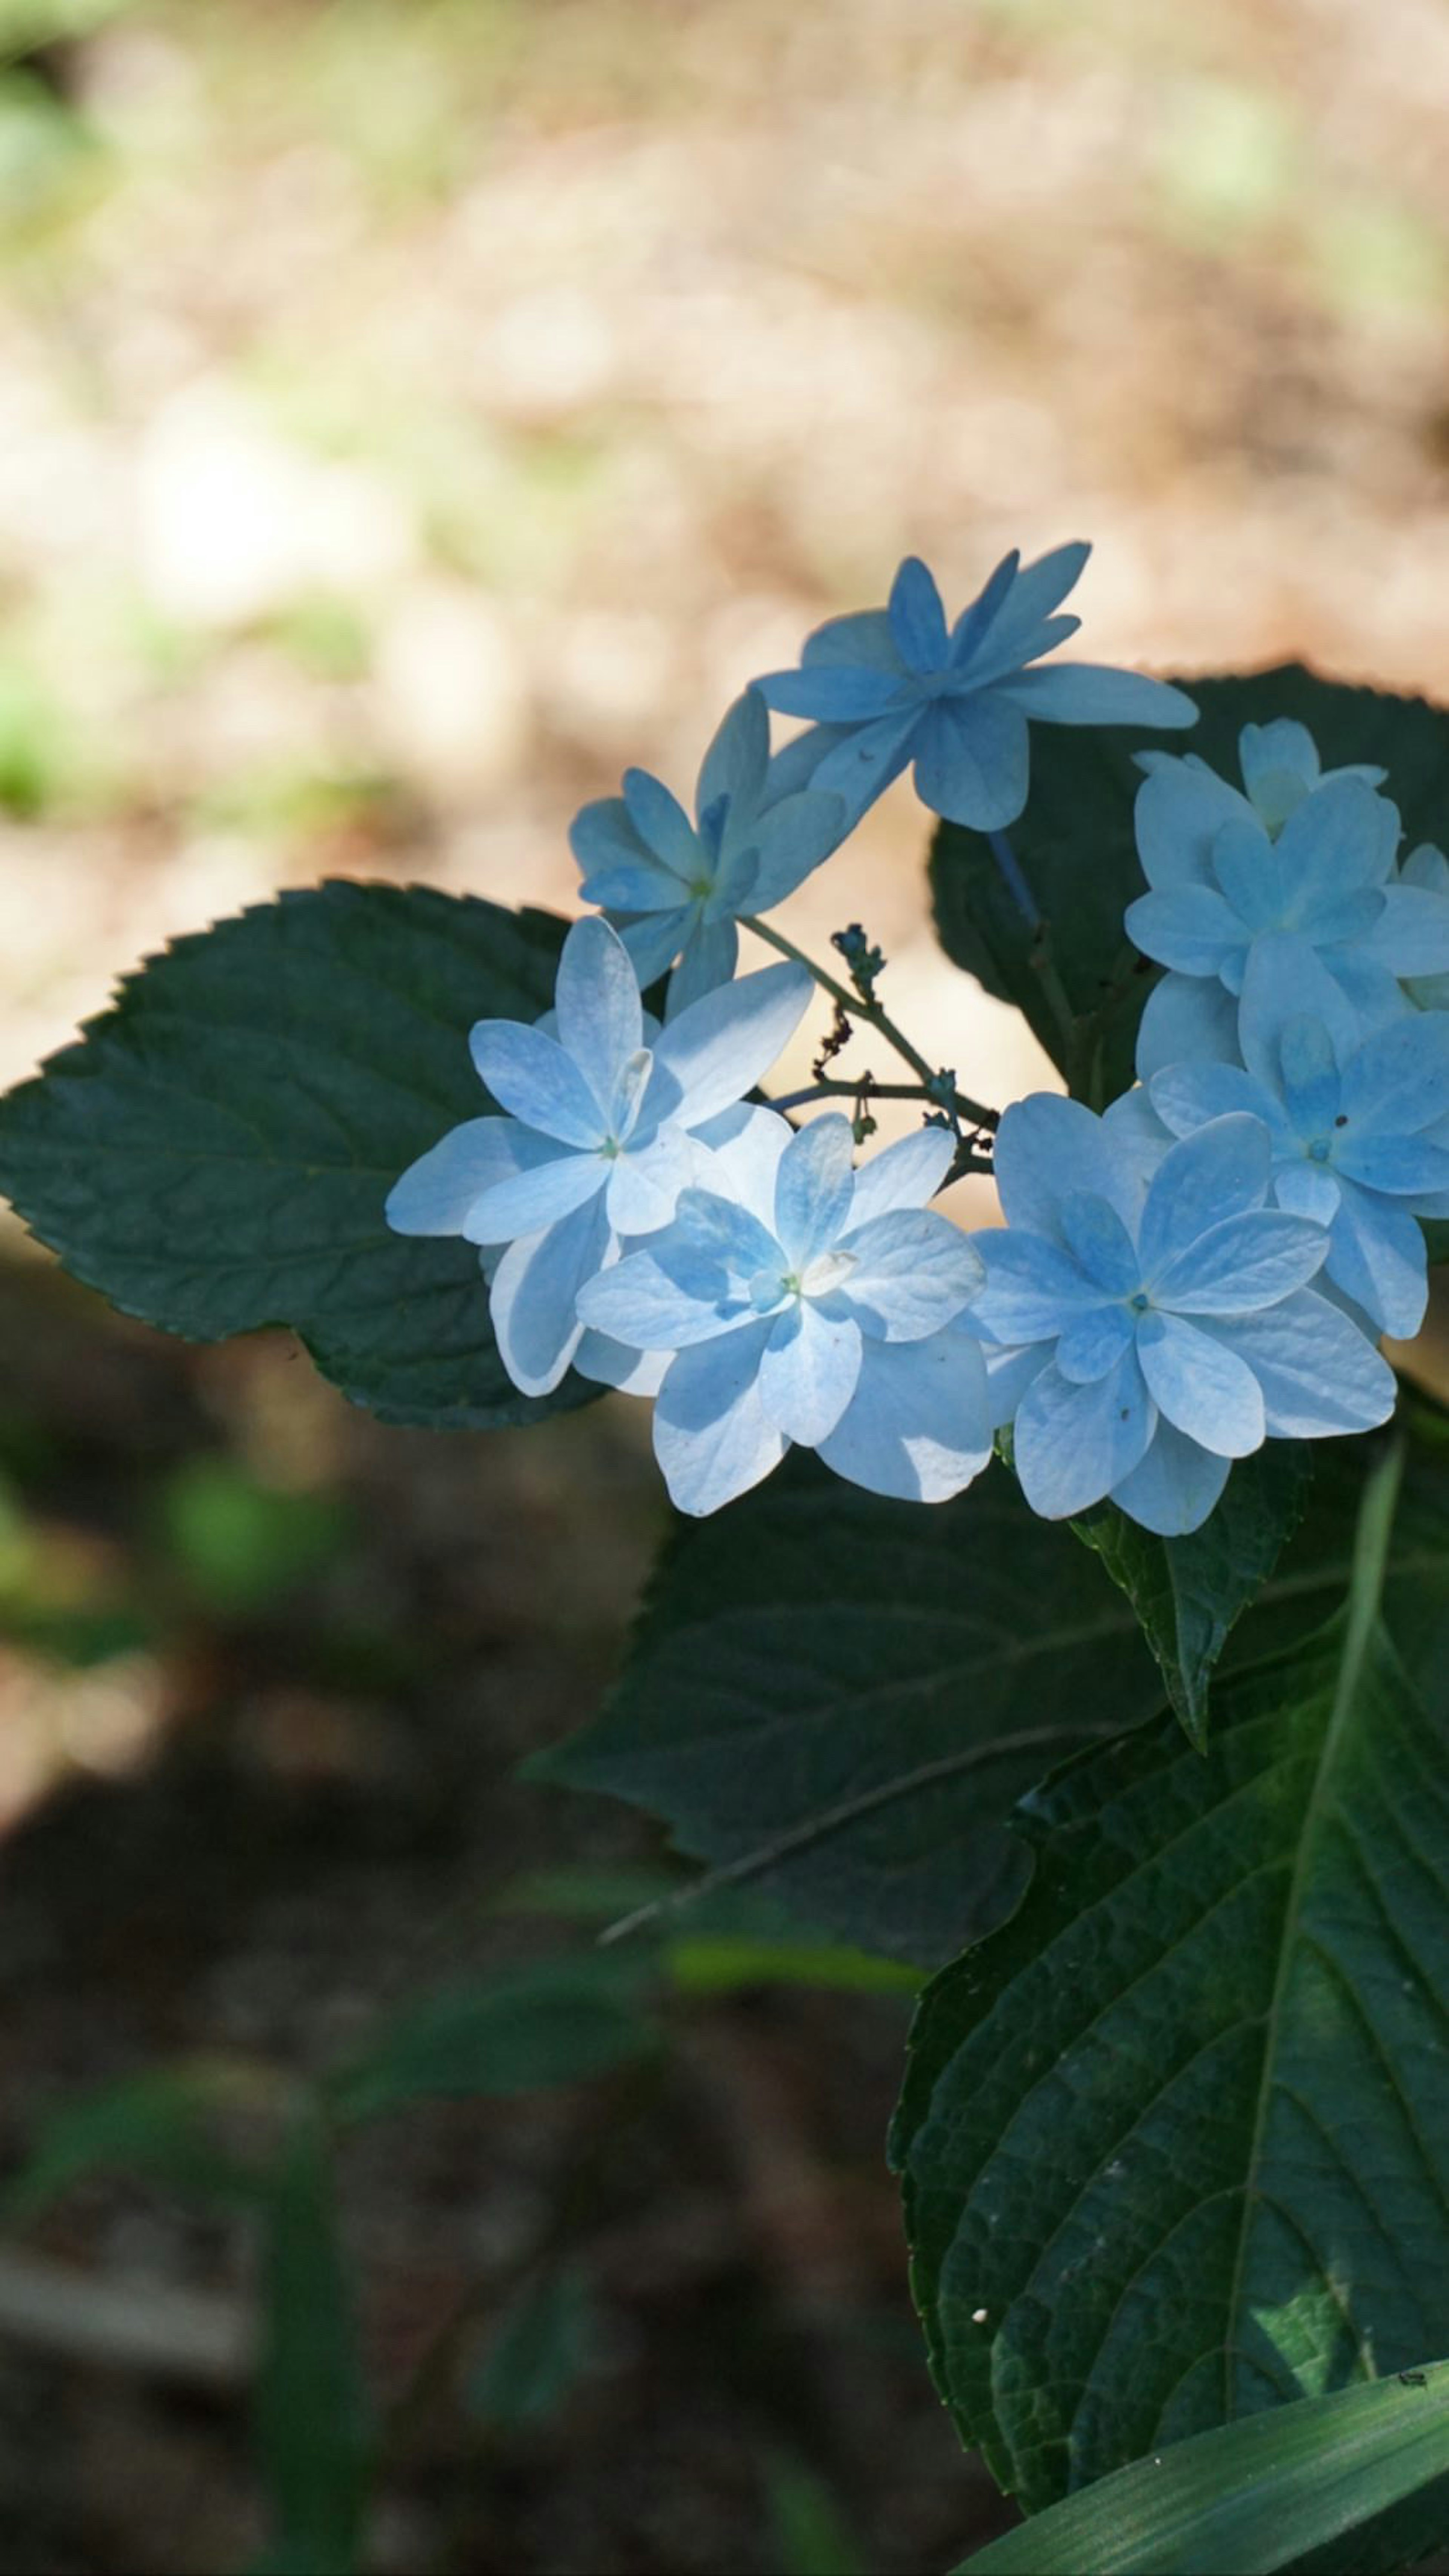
[1321,1150]
[1139,1301]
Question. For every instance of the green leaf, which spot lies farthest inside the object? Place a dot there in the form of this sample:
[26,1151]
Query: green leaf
[1188,1592]
[1176,2140]
[213,1153]
[1249,2498]
[312,2432]
[552,2023]
[543,2342]
[1076,848]
[810,2533]
[173,2124]
[842,1698]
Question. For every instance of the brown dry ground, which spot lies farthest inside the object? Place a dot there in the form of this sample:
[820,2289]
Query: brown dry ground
[411,411]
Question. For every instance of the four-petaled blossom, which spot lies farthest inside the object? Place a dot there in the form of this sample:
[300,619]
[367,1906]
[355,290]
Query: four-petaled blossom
[678,888]
[893,686]
[1219,885]
[1353,1123]
[1173,1329]
[605,1123]
[811,1305]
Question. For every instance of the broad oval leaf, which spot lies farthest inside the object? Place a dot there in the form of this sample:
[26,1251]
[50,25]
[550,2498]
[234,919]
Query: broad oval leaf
[1076,848]
[842,1698]
[1252,2498]
[1176,2140]
[551,2023]
[213,1153]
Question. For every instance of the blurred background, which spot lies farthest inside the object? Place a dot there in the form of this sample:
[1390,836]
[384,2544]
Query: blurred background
[411,412]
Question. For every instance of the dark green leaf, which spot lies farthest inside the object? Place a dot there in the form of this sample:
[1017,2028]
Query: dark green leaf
[214,1153]
[1075,845]
[843,1698]
[1250,2498]
[1176,2140]
[811,2537]
[313,2440]
[1188,1592]
[541,2344]
[552,2023]
[176,2125]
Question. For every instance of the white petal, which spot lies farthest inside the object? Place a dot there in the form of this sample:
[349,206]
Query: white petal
[808,1372]
[600,1021]
[914,1271]
[1074,1443]
[719,1048]
[640,1304]
[529,1201]
[1174,1487]
[1205,1389]
[737,1156]
[531,1075]
[644,1182]
[534,1300]
[614,1364]
[918,1426]
[904,1175]
[436,1193]
[711,1436]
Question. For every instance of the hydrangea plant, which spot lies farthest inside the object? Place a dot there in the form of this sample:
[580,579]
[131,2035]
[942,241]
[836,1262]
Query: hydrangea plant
[1056,1604]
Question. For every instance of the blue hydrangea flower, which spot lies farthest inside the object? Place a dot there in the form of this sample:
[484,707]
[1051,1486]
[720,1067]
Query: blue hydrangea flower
[811,1305]
[1280,765]
[893,686]
[605,1118]
[1172,1327]
[1217,886]
[678,888]
[1355,1125]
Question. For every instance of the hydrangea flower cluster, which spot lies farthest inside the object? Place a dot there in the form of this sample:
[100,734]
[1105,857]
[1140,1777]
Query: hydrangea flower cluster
[1206,1265]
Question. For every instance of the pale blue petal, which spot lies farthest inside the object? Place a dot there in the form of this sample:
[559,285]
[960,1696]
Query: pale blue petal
[435,1194]
[1375,996]
[1074,1443]
[1405,1167]
[792,768]
[639,1304]
[904,1175]
[1008,1372]
[1221,1170]
[1307,1189]
[1377,1256]
[601,835]
[1099,1242]
[862,763]
[1188,1096]
[535,1292]
[1319,1374]
[1014,603]
[644,1182]
[1046,1148]
[1334,844]
[1194,929]
[790,843]
[1174,1487]
[808,1372]
[918,1426]
[1188,1020]
[1181,808]
[1001,656]
[972,761]
[865,636]
[1272,753]
[708,960]
[596,1000]
[1246,1262]
[1201,1386]
[1399,1081]
[1312,1084]
[913,1272]
[1094,1344]
[918,621]
[529,1201]
[737,759]
[831,693]
[656,941]
[633,885]
[662,824]
[1256,876]
[814,1188]
[532,1077]
[614,1364]
[1088,693]
[718,1048]
[711,1435]
[1136,1140]
[1285,979]
[1033,1291]
[739,1155]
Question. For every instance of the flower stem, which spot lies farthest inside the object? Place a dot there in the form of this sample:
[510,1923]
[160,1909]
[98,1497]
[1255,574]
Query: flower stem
[875,1018]
[1015,883]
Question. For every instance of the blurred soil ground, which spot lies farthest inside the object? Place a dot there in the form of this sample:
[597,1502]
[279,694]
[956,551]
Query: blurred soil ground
[411,412]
